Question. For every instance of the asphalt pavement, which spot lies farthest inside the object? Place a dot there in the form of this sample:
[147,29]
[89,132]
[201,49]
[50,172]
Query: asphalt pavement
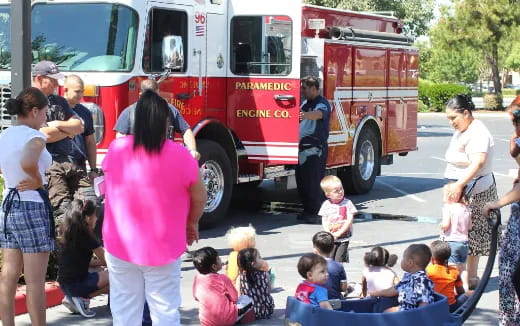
[404,207]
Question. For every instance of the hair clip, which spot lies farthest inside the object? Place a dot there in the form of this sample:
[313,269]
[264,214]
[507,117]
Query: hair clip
[516,113]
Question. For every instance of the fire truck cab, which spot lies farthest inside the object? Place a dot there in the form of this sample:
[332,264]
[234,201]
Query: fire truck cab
[233,69]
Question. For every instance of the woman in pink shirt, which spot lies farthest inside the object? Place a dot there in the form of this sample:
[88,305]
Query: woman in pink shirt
[154,197]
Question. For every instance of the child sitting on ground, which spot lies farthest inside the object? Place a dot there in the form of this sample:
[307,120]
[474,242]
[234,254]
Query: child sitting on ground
[220,303]
[255,282]
[313,268]
[78,243]
[455,224]
[415,289]
[337,214]
[445,278]
[241,238]
[378,274]
[323,243]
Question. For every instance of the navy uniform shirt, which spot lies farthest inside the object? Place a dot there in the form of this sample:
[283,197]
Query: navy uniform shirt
[79,148]
[59,110]
[315,132]
[124,124]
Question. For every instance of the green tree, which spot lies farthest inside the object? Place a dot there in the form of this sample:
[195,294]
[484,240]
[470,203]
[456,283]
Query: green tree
[485,26]
[415,14]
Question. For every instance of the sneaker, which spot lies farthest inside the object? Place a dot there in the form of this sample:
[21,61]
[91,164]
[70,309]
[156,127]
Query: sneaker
[67,302]
[82,307]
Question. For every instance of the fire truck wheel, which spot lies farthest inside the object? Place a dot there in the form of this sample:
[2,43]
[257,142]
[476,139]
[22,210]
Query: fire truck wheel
[359,178]
[216,174]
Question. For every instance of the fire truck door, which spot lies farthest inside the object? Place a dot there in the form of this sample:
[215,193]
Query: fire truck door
[263,78]
[185,86]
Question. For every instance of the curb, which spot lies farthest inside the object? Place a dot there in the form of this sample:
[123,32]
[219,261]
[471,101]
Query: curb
[53,297]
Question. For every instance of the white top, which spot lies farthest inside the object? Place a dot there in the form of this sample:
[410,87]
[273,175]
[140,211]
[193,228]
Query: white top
[476,139]
[333,216]
[460,221]
[378,278]
[12,143]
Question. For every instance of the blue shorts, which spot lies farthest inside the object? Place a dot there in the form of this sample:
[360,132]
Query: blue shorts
[459,252]
[27,227]
[83,288]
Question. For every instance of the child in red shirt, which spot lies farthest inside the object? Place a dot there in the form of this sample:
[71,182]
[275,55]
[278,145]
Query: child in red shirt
[445,278]
[219,300]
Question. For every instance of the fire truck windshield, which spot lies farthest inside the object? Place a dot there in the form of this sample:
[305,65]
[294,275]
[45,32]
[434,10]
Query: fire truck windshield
[78,36]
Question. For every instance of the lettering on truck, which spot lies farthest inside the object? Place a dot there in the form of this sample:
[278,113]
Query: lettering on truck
[248,86]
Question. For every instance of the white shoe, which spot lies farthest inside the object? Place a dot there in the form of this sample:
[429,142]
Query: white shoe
[67,303]
[82,307]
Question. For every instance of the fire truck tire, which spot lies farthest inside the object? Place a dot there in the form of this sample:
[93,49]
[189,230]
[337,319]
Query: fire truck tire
[216,174]
[359,178]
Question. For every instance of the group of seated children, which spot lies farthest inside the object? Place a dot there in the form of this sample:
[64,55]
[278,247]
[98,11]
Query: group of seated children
[77,246]
[246,285]
[426,269]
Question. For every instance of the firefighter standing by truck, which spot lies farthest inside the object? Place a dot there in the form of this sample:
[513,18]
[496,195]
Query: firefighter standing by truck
[313,148]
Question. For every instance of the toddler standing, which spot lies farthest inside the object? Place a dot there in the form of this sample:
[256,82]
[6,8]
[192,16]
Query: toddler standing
[337,214]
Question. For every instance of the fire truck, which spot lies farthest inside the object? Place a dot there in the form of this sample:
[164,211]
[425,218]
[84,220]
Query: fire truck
[233,69]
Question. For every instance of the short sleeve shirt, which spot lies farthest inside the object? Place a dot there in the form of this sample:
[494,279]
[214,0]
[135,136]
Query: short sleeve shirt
[475,139]
[335,215]
[445,280]
[414,289]
[59,110]
[311,293]
[337,276]
[79,148]
[74,261]
[124,122]
[315,132]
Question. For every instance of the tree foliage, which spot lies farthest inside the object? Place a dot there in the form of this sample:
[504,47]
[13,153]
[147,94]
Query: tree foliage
[484,26]
[415,14]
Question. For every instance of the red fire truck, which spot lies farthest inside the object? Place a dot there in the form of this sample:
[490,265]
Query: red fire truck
[233,69]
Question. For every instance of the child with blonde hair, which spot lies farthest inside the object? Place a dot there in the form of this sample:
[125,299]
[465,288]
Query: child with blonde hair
[337,214]
[240,238]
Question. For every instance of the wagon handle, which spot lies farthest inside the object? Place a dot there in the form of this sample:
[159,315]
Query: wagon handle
[464,311]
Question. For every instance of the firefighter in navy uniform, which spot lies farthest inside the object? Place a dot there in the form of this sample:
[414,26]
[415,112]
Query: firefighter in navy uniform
[313,149]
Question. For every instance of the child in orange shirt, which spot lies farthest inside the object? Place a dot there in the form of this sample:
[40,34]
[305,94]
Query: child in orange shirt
[445,278]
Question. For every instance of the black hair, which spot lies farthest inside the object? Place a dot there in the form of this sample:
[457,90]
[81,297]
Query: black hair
[460,103]
[246,260]
[310,81]
[324,242]
[74,228]
[379,256]
[151,116]
[441,251]
[307,263]
[420,253]
[204,258]
[28,99]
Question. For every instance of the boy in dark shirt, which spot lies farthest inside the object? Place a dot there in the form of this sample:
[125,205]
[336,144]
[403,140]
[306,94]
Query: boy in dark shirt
[323,243]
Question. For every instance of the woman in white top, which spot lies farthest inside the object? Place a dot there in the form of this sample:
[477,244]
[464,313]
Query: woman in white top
[469,163]
[26,223]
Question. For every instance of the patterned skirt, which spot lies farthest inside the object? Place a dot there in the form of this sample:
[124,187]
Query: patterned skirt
[509,303]
[480,232]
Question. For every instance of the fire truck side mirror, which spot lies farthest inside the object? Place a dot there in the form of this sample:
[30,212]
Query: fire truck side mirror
[173,52]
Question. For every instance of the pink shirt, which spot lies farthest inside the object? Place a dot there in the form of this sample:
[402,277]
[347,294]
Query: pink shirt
[147,201]
[460,221]
[217,297]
